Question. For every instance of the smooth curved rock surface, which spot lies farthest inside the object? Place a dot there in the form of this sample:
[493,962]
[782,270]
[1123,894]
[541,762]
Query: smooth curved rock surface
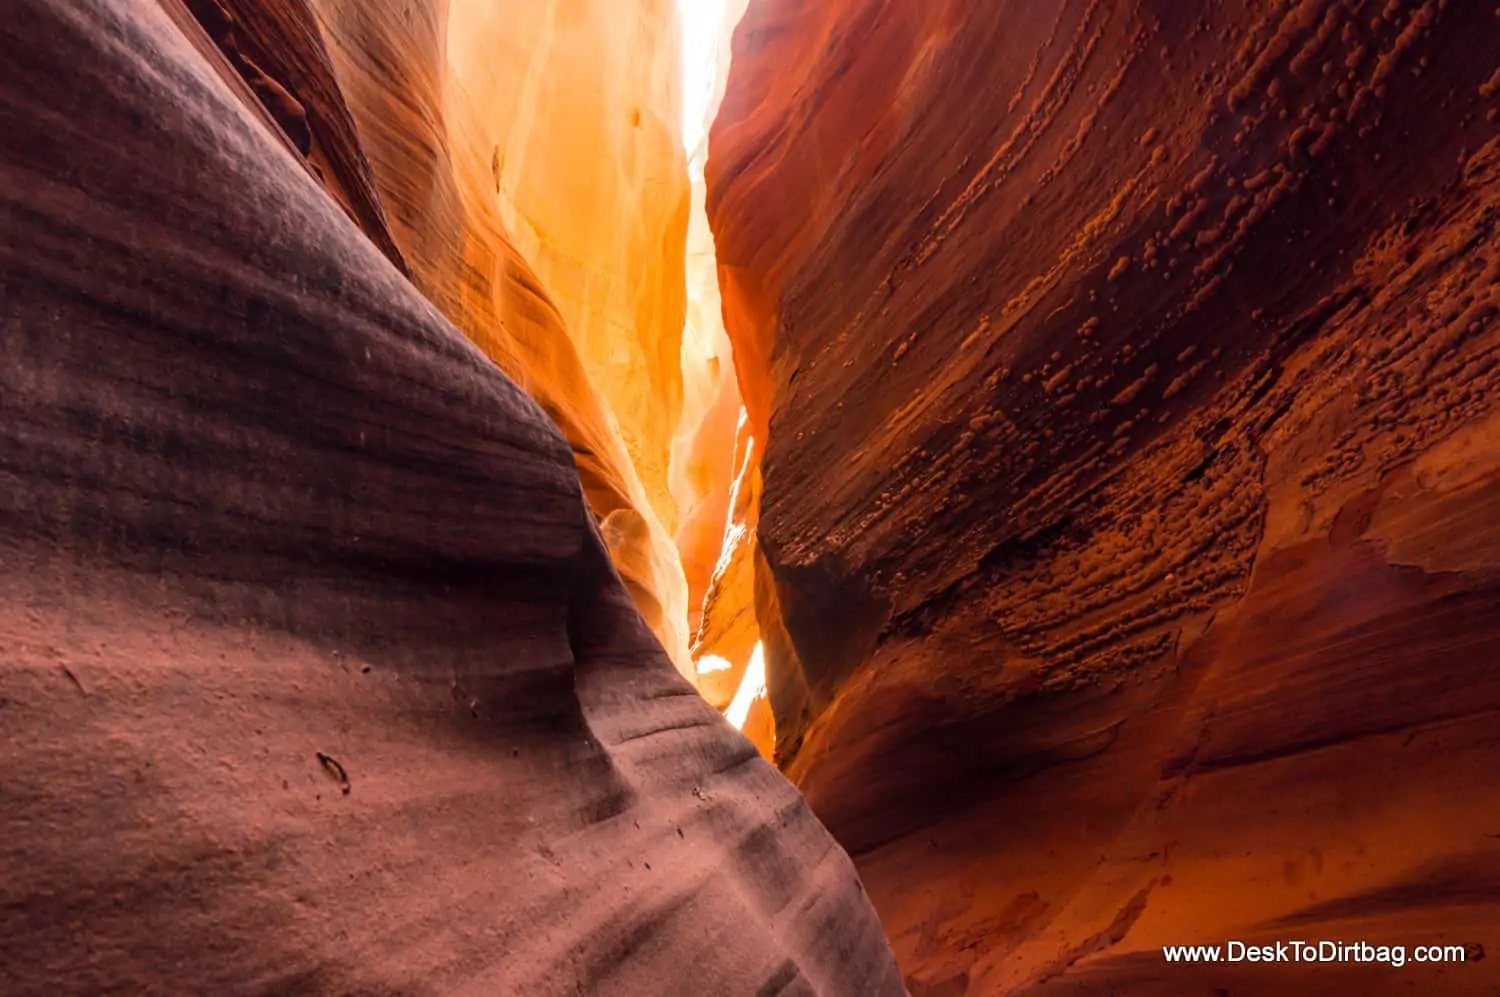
[314,676]
[577,105]
[483,150]
[704,451]
[1127,371]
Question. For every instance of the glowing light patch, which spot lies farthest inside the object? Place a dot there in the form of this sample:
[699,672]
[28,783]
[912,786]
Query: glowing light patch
[712,663]
[752,688]
[700,21]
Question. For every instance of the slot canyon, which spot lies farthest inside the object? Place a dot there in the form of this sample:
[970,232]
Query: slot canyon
[953,498]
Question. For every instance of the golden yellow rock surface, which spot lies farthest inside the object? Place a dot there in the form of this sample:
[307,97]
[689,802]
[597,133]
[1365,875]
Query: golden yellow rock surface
[714,459]
[529,162]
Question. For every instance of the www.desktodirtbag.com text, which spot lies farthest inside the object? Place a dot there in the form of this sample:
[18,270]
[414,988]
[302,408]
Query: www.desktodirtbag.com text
[1297,951]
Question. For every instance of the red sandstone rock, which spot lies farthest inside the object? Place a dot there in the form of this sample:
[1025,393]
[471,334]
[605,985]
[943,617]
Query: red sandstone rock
[314,676]
[1131,484]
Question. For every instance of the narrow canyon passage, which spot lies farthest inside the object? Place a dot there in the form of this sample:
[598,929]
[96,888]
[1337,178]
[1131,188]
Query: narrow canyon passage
[750,497]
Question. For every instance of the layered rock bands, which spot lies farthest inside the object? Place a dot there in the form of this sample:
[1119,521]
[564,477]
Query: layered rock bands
[1128,529]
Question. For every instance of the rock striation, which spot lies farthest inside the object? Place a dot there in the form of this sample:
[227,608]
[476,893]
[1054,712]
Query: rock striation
[315,676]
[1128,535]
[576,108]
[527,175]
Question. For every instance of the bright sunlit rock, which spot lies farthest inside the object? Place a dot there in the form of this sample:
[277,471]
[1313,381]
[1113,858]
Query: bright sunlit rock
[752,687]
[702,469]
[703,23]
[710,663]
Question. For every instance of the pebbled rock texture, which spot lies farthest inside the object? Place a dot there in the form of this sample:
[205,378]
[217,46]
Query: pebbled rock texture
[1129,521]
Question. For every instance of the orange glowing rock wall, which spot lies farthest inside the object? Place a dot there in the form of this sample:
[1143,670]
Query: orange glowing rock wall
[1125,377]
[579,105]
[703,452]
[529,162]
[703,455]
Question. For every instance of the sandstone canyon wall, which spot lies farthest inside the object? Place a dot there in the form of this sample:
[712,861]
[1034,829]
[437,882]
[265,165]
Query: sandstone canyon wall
[578,107]
[716,465]
[526,162]
[703,451]
[1129,517]
[314,675]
